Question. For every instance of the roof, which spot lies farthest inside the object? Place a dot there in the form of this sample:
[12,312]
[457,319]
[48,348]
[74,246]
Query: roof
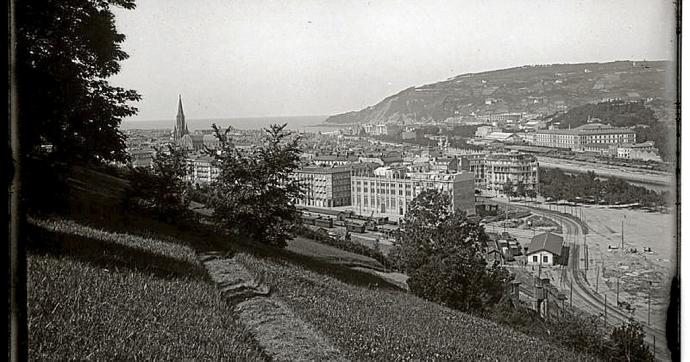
[546,242]
[499,135]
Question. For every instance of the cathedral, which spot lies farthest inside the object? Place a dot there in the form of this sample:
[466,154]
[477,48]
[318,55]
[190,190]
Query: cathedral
[181,135]
[199,141]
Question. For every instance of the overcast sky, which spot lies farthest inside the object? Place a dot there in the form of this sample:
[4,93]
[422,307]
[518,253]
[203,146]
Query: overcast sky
[259,58]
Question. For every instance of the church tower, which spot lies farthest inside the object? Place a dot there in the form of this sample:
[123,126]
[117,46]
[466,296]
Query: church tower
[181,135]
[180,124]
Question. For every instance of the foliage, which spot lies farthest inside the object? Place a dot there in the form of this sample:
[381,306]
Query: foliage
[163,188]
[442,253]
[367,324]
[627,343]
[65,52]
[586,187]
[254,192]
[93,294]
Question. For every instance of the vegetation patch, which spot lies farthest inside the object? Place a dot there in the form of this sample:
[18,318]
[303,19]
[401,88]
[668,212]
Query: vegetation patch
[386,325]
[124,305]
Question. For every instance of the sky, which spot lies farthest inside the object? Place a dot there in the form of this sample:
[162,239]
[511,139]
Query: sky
[286,58]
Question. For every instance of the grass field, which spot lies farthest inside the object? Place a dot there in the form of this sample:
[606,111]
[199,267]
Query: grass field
[99,295]
[387,325]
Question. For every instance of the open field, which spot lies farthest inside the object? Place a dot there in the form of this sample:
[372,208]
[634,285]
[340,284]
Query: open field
[98,295]
[633,270]
[375,324]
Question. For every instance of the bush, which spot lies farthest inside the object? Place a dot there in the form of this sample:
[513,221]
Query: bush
[162,189]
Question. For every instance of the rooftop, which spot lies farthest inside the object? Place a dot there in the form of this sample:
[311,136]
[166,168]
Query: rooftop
[546,242]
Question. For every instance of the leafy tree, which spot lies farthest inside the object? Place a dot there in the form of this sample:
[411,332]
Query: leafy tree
[65,52]
[163,188]
[254,193]
[627,343]
[442,253]
[520,189]
[507,189]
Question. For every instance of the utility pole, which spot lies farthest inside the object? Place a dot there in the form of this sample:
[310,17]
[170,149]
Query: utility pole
[605,310]
[597,290]
[622,235]
[571,294]
[649,305]
[618,286]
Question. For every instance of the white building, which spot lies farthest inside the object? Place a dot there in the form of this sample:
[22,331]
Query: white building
[388,191]
[545,249]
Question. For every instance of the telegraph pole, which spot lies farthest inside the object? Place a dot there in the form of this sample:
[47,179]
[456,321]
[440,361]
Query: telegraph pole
[597,278]
[605,310]
[571,294]
[649,305]
[618,285]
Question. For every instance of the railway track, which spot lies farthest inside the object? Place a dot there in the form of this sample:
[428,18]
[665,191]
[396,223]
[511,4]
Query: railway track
[584,297]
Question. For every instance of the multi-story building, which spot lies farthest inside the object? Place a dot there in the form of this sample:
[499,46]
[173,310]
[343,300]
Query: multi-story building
[581,137]
[388,191]
[325,186]
[202,170]
[513,168]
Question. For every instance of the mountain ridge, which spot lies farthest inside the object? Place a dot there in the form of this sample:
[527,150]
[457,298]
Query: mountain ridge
[542,89]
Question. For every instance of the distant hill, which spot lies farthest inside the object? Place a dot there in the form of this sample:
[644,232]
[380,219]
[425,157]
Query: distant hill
[545,89]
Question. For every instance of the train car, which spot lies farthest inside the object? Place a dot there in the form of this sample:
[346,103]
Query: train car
[324,223]
[355,227]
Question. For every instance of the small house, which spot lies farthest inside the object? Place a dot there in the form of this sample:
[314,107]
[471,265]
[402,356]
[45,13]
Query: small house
[545,249]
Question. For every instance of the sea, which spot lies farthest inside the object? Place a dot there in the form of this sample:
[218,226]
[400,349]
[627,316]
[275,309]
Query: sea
[312,124]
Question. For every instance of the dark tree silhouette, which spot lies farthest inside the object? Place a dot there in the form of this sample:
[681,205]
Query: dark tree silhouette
[65,52]
[254,193]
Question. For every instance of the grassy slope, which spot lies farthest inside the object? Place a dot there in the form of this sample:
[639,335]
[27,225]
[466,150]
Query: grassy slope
[102,295]
[374,324]
[98,310]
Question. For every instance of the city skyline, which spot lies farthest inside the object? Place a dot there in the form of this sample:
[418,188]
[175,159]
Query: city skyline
[246,59]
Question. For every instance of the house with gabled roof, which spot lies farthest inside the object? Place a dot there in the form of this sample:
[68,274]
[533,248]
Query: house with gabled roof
[545,249]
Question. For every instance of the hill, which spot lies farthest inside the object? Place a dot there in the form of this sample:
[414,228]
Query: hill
[128,287]
[544,89]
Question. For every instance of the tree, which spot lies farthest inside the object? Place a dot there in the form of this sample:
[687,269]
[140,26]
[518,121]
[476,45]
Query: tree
[508,189]
[627,343]
[65,51]
[254,192]
[163,188]
[442,253]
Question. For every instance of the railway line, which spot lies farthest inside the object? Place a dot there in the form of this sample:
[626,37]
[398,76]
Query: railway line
[582,294]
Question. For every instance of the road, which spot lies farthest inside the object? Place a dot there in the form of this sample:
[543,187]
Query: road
[634,175]
[584,297]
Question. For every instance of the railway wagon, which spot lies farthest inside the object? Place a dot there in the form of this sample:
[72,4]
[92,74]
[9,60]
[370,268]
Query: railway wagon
[324,223]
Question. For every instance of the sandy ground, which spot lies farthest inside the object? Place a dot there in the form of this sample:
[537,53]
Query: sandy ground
[629,272]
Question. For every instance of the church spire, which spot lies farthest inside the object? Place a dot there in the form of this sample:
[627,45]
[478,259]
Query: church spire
[180,124]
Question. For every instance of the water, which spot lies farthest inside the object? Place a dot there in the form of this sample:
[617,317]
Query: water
[295,123]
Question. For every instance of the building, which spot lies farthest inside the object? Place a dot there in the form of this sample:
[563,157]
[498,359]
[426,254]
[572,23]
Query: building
[202,170]
[579,138]
[181,135]
[504,137]
[325,186]
[644,151]
[142,157]
[388,191]
[511,167]
[483,131]
[202,141]
[545,249]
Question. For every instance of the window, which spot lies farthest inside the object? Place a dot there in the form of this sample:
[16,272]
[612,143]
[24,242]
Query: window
[546,258]
[535,259]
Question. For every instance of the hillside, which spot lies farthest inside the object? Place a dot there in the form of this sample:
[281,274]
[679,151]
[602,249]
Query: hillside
[544,89]
[141,281]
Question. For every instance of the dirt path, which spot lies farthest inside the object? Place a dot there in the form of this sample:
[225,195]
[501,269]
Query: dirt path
[282,335]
